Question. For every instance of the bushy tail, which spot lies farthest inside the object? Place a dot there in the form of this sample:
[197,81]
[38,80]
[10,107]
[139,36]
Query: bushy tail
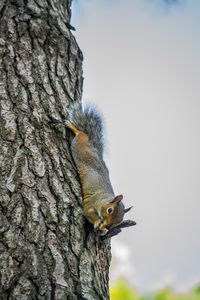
[89,120]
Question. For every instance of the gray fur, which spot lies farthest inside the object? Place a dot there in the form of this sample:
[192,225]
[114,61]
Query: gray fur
[94,176]
[89,120]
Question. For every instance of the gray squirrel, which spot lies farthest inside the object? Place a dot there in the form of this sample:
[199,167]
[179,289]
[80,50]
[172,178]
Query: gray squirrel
[100,205]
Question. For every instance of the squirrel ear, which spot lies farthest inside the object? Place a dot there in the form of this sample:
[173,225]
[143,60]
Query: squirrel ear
[127,209]
[117,199]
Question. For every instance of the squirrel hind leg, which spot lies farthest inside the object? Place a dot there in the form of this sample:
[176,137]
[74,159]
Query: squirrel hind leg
[72,127]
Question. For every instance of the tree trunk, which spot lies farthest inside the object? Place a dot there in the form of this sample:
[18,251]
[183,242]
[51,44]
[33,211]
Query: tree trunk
[47,250]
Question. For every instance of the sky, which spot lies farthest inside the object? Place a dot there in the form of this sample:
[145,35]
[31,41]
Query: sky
[142,68]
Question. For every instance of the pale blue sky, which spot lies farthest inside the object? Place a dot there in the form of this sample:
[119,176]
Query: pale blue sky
[142,68]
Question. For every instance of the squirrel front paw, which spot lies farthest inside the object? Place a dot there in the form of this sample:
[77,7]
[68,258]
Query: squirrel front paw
[96,225]
[99,227]
[103,232]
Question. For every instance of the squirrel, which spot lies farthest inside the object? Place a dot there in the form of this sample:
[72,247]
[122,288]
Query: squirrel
[100,205]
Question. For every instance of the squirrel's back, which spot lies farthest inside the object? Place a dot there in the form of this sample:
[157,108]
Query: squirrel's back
[88,119]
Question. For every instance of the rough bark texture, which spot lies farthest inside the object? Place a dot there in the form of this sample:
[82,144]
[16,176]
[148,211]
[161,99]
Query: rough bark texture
[47,251]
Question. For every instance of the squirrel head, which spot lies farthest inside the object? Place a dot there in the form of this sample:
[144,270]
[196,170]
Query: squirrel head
[112,213]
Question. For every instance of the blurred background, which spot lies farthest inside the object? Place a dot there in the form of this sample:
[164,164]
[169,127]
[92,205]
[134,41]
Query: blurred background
[142,69]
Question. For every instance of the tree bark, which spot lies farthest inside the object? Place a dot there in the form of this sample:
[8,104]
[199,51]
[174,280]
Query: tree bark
[47,250]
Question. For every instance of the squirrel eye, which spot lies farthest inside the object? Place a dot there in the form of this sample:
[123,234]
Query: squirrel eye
[109,210]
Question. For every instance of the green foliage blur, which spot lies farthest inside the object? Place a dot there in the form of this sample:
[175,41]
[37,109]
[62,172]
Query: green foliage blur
[122,291]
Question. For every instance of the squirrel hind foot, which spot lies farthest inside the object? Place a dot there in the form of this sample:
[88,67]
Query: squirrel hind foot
[72,127]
